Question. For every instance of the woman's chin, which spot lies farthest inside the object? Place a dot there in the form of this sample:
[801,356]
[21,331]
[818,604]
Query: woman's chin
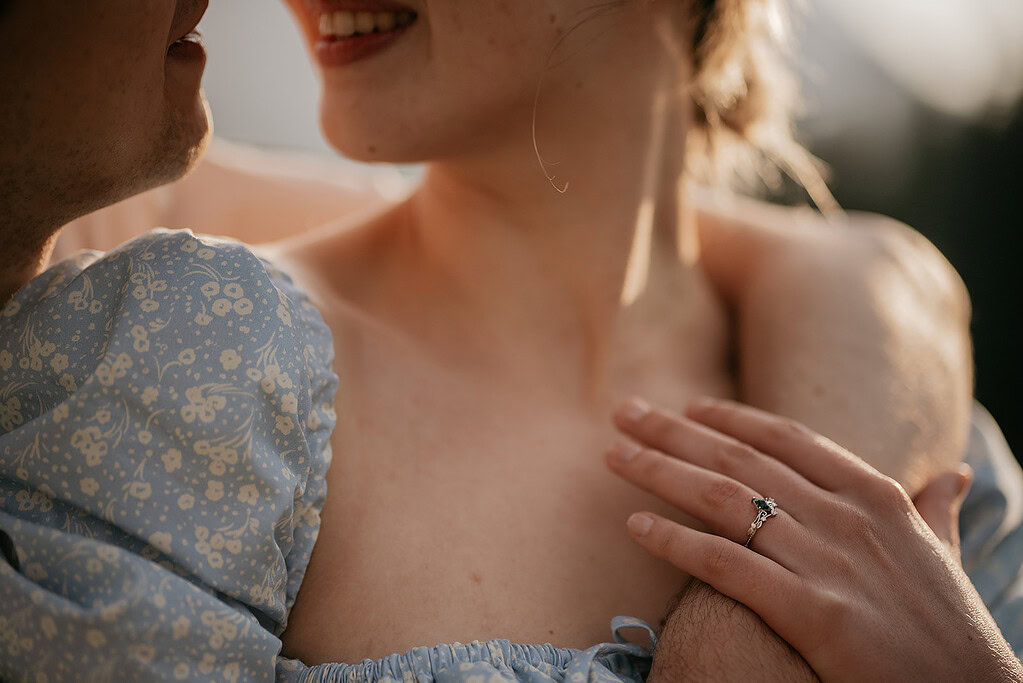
[359,150]
[350,139]
[351,143]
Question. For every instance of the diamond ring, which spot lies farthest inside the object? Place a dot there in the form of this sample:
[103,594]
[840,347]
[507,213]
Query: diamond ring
[766,507]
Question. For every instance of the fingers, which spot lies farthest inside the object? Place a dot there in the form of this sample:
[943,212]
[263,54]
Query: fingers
[761,584]
[939,502]
[712,450]
[723,504]
[817,458]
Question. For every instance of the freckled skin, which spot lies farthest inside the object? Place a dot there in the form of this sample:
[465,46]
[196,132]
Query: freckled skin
[459,91]
[487,58]
[512,291]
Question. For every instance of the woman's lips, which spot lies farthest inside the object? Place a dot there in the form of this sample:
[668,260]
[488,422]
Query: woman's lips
[318,7]
[346,36]
[345,23]
[340,52]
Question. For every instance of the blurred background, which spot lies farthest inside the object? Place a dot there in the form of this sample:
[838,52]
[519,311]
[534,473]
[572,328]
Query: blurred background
[914,104]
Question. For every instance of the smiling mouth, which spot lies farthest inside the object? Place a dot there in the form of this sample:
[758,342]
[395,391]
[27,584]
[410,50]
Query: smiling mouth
[344,25]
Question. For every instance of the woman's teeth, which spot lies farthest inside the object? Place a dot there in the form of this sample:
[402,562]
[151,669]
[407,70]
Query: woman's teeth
[348,24]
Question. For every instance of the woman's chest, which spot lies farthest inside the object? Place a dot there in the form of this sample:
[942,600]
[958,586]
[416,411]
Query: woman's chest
[460,513]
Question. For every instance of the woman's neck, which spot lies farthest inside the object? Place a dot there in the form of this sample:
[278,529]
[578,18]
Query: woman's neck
[495,266]
[531,255]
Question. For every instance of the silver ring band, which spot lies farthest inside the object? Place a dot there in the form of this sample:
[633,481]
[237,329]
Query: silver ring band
[766,507]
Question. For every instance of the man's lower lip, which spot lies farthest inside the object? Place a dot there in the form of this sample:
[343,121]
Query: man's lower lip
[332,53]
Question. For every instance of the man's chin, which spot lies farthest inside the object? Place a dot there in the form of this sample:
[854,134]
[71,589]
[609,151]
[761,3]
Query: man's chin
[201,142]
[182,146]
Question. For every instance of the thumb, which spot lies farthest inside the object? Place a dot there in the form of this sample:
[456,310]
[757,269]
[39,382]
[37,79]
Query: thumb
[939,502]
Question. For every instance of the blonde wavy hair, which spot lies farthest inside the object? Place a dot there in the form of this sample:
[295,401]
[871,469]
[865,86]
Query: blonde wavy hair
[746,97]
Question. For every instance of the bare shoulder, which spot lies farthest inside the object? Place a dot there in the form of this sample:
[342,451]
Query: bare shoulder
[747,242]
[335,261]
[893,244]
[857,326]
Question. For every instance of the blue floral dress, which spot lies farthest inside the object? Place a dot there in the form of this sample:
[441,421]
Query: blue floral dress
[165,414]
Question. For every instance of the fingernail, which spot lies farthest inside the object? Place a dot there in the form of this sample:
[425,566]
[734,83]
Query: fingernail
[639,524]
[624,451]
[635,409]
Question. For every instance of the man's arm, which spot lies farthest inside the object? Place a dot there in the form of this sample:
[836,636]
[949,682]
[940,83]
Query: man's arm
[710,637]
[862,333]
[858,330]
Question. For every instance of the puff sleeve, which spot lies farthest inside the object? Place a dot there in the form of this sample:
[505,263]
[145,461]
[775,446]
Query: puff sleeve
[165,414]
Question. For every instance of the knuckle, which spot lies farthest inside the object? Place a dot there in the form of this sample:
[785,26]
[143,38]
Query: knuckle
[721,460]
[851,518]
[731,459]
[743,452]
[665,542]
[722,492]
[650,464]
[786,429]
[832,610]
[866,531]
[719,559]
[890,493]
[659,427]
[830,606]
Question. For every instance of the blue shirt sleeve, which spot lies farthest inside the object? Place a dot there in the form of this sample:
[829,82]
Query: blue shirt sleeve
[991,526]
[165,414]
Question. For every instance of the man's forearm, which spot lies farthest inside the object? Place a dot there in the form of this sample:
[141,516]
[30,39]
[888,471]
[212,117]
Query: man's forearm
[710,637]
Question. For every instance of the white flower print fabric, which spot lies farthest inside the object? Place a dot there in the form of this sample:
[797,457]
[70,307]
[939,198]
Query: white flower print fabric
[165,414]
